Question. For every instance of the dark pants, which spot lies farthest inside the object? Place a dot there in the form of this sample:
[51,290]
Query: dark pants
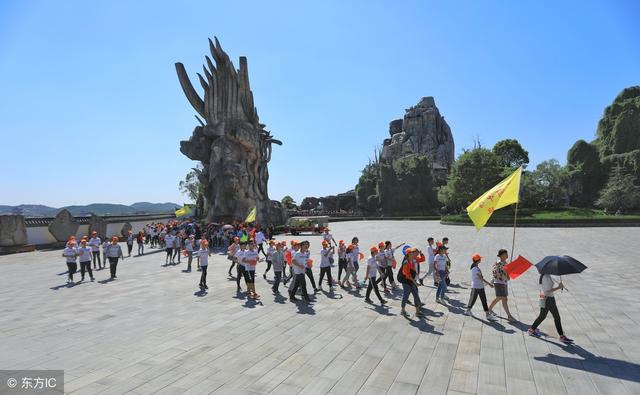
[389,275]
[310,275]
[96,258]
[240,274]
[140,248]
[261,249]
[72,267]
[113,264]
[176,253]
[475,292]
[129,248]
[289,277]
[549,306]
[373,284]
[268,267]
[86,266]
[203,276]
[299,281]
[410,289]
[168,257]
[327,271]
[276,281]
[189,259]
[342,266]
[231,267]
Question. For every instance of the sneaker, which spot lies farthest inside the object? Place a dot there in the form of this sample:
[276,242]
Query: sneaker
[264,276]
[205,286]
[468,312]
[367,300]
[92,279]
[383,302]
[565,339]
[534,333]
[404,312]
[421,282]
[491,317]
[420,314]
[292,299]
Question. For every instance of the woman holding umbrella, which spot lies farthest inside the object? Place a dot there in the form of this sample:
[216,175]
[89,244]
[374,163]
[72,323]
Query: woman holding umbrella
[553,265]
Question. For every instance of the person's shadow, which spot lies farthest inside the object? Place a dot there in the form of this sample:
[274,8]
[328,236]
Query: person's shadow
[331,294]
[305,308]
[280,299]
[382,310]
[616,368]
[421,324]
[106,281]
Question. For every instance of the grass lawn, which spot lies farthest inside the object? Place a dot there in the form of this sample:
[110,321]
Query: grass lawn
[567,214]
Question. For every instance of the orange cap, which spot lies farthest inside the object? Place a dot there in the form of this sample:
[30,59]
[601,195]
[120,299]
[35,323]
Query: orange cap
[293,242]
[325,243]
[115,238]
[381,244]
[341,242]
[373,249]
[476,257]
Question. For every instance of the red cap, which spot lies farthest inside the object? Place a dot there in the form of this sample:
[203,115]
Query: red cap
[476,257]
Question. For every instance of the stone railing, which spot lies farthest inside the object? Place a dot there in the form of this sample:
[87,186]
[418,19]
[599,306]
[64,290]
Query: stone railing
[18,233]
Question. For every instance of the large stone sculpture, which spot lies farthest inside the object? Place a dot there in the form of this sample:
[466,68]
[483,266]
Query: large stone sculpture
[422,131]
[63,226]
[231,143]
[13,231]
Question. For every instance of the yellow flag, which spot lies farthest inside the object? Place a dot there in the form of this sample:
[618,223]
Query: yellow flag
[252,216]
[505,193]
[185,210]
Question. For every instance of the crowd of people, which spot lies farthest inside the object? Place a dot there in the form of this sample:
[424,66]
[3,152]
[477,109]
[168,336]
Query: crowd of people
[292,266]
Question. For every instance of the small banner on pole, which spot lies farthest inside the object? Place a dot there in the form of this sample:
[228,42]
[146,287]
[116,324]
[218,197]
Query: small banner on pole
[505,193]
[515,268]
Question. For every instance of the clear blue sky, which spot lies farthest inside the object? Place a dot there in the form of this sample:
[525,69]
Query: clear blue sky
[91,109]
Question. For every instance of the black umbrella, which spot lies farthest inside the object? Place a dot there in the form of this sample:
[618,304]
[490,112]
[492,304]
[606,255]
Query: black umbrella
[559,265]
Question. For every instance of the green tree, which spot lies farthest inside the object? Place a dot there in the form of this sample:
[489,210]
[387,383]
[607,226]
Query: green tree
[510,153]
[289,203]
[549,184]
[416,185]
[618,129]
[191,185]
[621,192]
[586,174]
[366,191]
[474,172]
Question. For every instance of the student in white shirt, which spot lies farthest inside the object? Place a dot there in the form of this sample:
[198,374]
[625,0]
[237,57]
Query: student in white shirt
[260,239]
[114,253]
[389,252]
[350,270]
[129,242]
[94,243]
[84,252]
[355,254]
[177,246]
[189,246]
[168,240]
[325,263]
[250,258]
[239,259]
[548,304]
[105,246]
[270,250]
[295,247]
[70,253]
[231,253]
[278,266]
[372,273]
[342,259]
[326,236]
[203,258]
[440,265]
[477,288]
[299,265]
[431,254]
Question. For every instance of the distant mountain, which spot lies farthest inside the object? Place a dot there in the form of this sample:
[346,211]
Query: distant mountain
[34,210]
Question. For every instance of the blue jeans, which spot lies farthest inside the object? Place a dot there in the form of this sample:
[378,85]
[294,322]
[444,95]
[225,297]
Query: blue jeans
[356,266]
[442,284]
[408,289]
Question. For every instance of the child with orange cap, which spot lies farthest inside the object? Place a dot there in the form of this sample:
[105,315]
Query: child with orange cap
[203,258]
[84,252]
[372,273]
[129,242]
[389,252]
[239,257]
[350,269]
[477,288]
[249,259]
[269,256]
[94,243]
[325,263]
[289,254]
[114,253]
[407,277]
[71,254]
[299,265]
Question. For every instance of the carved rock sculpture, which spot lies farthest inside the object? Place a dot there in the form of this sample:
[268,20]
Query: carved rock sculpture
[99,225]
[63,226]
[231,143]
[125,229]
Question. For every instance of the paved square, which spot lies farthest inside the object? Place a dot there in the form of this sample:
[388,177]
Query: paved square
[151,332]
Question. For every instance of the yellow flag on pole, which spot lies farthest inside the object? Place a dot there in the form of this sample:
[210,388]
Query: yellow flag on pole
[505,193]
[185,210]
[252,216]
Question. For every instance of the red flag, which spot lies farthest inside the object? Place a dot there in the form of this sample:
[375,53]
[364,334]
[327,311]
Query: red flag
[515,268]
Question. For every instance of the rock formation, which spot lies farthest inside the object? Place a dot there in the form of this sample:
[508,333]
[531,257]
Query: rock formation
[99,225]
[125,229]
[422,131]
[13,231]
[63,226]
[232,144]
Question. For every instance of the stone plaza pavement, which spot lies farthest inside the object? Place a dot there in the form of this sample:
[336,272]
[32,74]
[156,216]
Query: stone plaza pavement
[151,331]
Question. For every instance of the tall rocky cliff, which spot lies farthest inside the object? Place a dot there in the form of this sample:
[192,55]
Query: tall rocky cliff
[422,131]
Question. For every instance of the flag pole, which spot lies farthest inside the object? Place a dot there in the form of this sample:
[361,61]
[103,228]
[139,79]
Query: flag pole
[515,216]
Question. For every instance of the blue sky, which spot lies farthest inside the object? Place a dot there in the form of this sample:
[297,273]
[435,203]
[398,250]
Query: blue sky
[91,109]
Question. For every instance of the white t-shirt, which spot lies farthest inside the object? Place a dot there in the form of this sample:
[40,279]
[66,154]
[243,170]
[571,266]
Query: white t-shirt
[324,257]
[70,254]
[476,278]
[547,285]
[327,237]
[388,255]
[188,245]
[270,252]
[94,243]
[440,262]
[168,239]
[355,254]
[372,267]
[260,238]
[204,257]
[301,259]
[431,254]
[381,258]
[250,259]
[240,255]
[86,253]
